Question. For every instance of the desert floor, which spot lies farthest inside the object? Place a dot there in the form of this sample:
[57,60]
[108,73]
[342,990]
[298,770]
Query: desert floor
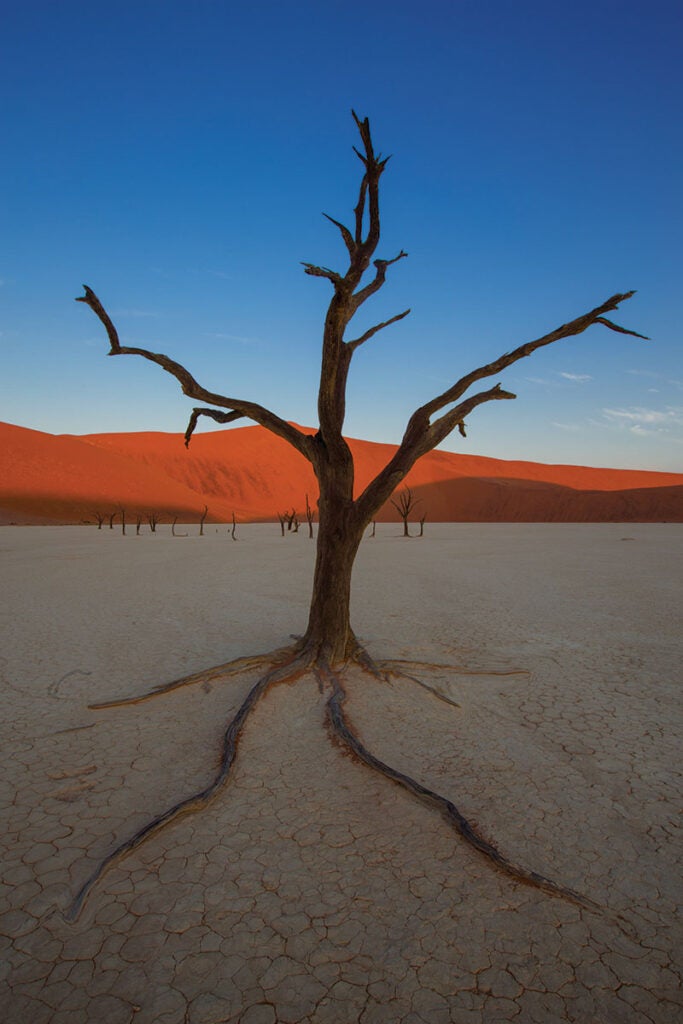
[311,888]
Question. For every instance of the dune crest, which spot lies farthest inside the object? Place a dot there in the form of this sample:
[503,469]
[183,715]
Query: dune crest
[47,478]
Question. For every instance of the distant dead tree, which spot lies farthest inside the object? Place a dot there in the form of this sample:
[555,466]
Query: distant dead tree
[291,520]
[309,518]
[112,517]
[173,526]
[422,526]
[404,506]
[329,645]
[138,523]
[123,521]
[374,527]
[233,532]
[201,521]
[153,518]
[282,518]
[99,518]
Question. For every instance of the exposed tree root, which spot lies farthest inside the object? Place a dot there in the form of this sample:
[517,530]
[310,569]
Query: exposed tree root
[342,730]
[461,670]
[395,667]
[284,672]
[228,668]
[289,664]
[425,686]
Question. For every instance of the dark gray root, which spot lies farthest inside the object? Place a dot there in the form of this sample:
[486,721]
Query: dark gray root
[462,670]
[425,686]
[229,668]
[343,732]
[288,664]
[284,672]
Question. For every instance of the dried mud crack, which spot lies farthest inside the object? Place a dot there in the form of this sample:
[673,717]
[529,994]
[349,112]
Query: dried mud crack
[287,665]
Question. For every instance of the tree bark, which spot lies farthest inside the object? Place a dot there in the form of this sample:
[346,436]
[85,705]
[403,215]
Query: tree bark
[340,530]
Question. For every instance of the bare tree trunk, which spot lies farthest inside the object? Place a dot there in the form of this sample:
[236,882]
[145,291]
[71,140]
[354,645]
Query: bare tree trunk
[309,518]
[138,524]
[340,531]
[234,527]
[329,623]
[123,522]
[422,526]
[374,527]
[281,520]
[112,517]
[201,521]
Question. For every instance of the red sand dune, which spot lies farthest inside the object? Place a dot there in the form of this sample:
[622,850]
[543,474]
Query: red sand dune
[61,478]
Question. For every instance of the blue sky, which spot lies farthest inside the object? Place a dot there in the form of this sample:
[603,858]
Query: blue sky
[177,158]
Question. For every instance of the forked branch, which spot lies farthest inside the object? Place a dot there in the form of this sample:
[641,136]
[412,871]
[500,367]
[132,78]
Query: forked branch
[353,345]
[574,327]
[238,407]
[214,414]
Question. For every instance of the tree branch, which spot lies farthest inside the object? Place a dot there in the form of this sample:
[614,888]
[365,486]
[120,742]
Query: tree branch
[331,275]
[302,442]
[358,298]
[353,345]
[214,414]
[421,435]
[441,428]
[345,233]
[571,329]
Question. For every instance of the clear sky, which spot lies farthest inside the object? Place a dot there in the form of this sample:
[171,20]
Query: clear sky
[177,157]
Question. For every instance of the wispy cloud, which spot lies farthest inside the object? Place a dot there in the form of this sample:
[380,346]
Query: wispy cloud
[574,427]
[669,416]
[659,377]
[664,424]
[579,378]
[223,274]
[537,380]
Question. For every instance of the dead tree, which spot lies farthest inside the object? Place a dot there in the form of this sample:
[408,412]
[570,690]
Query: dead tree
[99,518]
[329,645]
[201,521]
[404,506]
[309,518]
[233,532]
[173,526]
[282,518]
[138,523]
[422,526]
[123,522]
[153,518]
[112,517]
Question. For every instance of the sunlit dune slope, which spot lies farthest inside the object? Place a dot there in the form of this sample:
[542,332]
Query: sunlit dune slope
[48,478]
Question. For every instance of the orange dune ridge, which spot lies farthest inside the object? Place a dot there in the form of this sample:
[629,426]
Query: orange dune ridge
[46,478]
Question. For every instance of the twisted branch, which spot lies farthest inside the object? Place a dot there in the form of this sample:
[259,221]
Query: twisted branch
[193,389]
